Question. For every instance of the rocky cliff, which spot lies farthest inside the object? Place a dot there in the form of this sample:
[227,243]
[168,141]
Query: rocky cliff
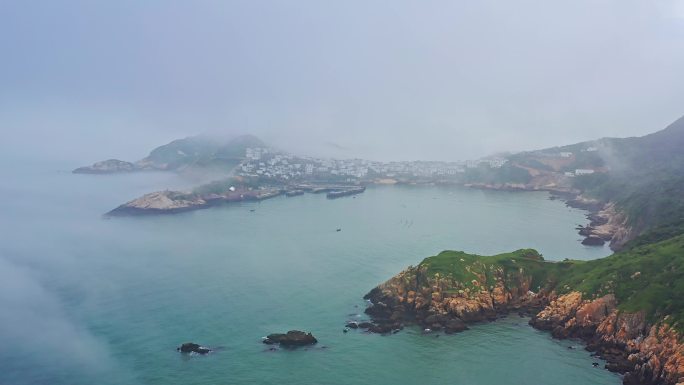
[453,289]
[648,353]
[437,300]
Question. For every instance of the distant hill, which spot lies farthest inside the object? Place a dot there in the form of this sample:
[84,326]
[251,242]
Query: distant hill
[201,151]
[643,176]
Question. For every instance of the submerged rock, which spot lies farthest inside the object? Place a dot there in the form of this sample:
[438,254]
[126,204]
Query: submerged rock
[291,338]
[191,347]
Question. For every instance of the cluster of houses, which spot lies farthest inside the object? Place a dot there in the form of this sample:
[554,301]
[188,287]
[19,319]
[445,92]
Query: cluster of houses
[264,162]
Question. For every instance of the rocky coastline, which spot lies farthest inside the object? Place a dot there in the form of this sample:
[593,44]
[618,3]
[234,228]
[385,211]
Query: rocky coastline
[606,223]
[438,302]
[646,352]
[172,202]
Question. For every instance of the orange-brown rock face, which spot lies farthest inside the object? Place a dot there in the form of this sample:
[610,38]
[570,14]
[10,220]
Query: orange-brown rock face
[647,354]
[433,300]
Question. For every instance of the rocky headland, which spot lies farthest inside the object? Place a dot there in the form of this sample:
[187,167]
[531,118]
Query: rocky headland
[171,202]
[571,299]
[110,166]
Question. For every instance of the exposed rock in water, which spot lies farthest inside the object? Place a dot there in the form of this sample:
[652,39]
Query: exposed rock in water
[593,241]
[109,166]
[190,347]
[585,203]
[291,338]
[606,224]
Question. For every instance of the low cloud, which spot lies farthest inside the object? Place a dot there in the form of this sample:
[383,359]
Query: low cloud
[39,343]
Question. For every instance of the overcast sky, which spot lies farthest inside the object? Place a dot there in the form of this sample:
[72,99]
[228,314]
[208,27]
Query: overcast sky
[387,80]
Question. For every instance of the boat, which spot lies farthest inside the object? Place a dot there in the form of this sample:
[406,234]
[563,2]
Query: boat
[345,192]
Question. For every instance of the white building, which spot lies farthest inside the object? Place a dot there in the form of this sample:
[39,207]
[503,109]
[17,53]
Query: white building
[497,163]
[583,171]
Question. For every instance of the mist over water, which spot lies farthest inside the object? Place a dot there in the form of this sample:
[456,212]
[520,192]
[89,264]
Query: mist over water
[403,81]
[91,300]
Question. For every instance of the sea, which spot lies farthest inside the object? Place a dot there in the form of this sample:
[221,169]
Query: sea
[90,300]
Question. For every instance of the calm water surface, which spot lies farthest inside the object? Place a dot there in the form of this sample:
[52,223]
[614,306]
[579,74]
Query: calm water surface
[90,300]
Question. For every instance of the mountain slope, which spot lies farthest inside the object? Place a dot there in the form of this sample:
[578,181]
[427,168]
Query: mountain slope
[198,152]
[642,176]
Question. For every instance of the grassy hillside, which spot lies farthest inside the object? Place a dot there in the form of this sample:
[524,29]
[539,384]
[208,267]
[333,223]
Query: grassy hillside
[202,151]
[647,277]
[464,267]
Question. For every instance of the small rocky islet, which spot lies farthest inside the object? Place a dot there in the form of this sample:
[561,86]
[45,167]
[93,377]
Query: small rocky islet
[292,338]
[191,347]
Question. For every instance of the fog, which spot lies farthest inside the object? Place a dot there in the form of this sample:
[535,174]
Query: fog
[82,81]
[398,80]
[35,326]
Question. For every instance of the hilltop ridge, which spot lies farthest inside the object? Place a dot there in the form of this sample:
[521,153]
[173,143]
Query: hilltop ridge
[200,151]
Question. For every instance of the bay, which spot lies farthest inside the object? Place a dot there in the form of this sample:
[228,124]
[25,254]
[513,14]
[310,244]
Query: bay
[92,300]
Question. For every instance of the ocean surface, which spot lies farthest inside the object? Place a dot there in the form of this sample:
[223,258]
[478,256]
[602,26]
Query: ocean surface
[89,300]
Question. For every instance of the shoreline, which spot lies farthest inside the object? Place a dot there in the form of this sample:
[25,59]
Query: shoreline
[175,202]
[646,352]
[605,222]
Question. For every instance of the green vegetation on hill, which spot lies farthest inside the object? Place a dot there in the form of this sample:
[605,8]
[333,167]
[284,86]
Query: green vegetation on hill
[202,151]
[646,177]
[643,176]
[183,151]
[648,277]
[464,267]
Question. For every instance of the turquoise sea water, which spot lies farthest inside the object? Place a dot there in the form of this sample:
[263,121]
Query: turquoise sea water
[87,300]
